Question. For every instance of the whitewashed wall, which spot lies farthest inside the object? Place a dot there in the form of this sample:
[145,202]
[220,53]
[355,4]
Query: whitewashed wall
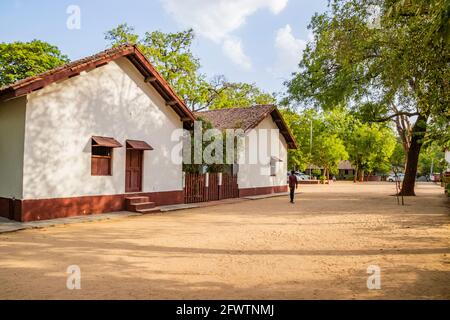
[258,175]
[111,101]
[12,130]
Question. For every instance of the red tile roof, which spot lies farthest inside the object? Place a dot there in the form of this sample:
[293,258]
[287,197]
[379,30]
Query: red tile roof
[246,119]
[132,53]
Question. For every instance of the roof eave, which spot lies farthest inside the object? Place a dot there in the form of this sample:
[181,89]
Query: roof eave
[133,54]
[284,130]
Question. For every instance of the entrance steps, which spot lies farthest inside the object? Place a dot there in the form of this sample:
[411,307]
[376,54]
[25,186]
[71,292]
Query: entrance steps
[141,205]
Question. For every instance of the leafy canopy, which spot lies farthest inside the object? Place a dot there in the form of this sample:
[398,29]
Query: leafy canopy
[172,56]
[19,60]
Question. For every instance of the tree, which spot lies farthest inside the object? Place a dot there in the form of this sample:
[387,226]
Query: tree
[394,71]
[224,94]
[370,148]
[122,34]
[171,55]
[299,125]
[327,147]
[432,158]
[329,152]
[213,148]
[19,60]
[398,158]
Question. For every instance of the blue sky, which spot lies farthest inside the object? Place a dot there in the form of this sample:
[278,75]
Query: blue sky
[256,41]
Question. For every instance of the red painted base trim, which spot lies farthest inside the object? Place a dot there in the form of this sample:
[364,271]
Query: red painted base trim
[262,191]
[45,209]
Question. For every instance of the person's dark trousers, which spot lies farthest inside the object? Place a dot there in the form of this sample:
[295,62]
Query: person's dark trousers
[292,193]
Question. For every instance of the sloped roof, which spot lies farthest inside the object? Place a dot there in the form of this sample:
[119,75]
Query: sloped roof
[345,165]
[248,118]
[72,69]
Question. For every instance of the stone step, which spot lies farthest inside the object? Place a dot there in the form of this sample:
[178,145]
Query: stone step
[134,207]
[135,200]
[149,211]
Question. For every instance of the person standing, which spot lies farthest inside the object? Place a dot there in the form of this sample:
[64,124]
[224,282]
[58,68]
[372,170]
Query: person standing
[293,184]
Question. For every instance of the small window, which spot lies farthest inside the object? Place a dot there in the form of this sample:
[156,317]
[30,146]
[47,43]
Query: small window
[273,167]
[346,172]
[101,161]
[101,156]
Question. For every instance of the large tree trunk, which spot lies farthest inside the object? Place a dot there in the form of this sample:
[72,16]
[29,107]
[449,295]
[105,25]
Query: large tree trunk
[418,133]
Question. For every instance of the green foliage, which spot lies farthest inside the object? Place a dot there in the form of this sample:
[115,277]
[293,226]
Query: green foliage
[398,157]
[171,55]
[299,125]
[383,71]
[370,147]
[317,173]
[210,167]
[226,94]
[397,70]
[338,135]
[327,148]
[329,152]
[432,155]
[122,34]
[439,131]
[19,60]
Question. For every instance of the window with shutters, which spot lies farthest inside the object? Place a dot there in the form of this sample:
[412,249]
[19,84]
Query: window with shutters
[101,161]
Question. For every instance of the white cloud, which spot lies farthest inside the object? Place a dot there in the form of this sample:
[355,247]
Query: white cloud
[217,19]
[232,47]
[289,50]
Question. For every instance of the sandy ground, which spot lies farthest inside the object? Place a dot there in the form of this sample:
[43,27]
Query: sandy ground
[319,248]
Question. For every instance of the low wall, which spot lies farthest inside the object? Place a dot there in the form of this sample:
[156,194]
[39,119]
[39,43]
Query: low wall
[45,209]
[247,192]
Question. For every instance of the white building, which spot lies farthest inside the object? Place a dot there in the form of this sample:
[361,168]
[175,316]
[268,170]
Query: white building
[85,137]
[77,139]
[264,168]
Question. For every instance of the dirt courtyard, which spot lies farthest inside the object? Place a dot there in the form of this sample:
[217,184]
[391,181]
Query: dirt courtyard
[318,248]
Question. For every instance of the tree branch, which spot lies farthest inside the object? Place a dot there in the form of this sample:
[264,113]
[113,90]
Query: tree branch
[387,118]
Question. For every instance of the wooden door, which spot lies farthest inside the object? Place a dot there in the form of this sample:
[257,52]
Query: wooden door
[133,173]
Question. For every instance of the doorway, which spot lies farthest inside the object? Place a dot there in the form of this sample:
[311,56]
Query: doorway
[133,173]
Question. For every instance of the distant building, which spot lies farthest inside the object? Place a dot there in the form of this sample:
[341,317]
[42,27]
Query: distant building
[346,170]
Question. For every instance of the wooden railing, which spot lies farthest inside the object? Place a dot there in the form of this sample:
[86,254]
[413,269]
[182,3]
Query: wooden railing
[209,187]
